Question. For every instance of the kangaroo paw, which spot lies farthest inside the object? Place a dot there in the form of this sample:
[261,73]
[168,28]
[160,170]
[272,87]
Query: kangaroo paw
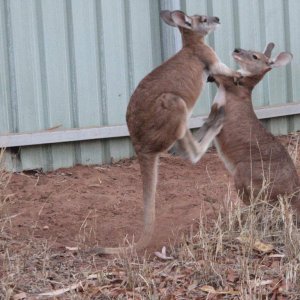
[214,121]
[237,77]
[177,150]
[210,78]
[216,116]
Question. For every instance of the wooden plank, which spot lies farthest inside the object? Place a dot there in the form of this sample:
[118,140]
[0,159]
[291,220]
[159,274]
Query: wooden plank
[83,134]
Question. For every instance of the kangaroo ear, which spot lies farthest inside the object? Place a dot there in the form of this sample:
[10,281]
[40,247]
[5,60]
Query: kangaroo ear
[167,17]
[181,19]
[176,18]
[281,60]
[268,50]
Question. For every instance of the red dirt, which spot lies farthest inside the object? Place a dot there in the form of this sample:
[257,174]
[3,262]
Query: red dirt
[65,205]
[102,204]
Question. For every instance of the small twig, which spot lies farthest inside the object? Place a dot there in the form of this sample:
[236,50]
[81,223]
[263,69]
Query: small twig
[10,217]
[62,291]
[37,181]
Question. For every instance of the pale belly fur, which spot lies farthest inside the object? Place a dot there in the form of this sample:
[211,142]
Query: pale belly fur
[220,99]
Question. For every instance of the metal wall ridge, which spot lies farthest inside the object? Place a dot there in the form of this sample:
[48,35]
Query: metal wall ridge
[108,132]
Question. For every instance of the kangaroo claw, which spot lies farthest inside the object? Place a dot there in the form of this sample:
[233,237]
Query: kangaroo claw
[237,78]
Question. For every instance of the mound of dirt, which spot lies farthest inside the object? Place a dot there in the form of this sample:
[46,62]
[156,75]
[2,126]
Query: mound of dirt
[100,205]
[103,204]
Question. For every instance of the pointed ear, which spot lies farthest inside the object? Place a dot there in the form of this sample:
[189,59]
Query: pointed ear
[268,50]
[181,19]
[167,17]
[281,60]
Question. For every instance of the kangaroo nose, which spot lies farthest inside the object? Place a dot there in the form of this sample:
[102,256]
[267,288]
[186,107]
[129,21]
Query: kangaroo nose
[217,20]
[236,50]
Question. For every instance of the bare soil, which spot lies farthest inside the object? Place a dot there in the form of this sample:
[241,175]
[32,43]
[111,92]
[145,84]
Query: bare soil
[102,204]
[86,206]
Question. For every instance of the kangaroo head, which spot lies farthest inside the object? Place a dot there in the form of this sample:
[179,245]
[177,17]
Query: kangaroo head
[255,63]
[202,25]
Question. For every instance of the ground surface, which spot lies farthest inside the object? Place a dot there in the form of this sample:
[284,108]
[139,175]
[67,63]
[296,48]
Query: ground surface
[86,206]
[104,204]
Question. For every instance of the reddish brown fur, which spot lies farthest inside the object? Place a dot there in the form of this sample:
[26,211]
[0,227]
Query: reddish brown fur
[150,108]
[158,112]
[159,109]
[254,154]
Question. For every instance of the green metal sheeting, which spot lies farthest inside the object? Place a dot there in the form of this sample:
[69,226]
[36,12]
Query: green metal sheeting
[75,63]
[251,25]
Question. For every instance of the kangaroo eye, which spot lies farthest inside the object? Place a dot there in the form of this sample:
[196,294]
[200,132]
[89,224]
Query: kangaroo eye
[204,20]
[254,56]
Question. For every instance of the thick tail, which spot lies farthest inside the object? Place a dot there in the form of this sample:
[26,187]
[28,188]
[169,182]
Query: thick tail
[149,170]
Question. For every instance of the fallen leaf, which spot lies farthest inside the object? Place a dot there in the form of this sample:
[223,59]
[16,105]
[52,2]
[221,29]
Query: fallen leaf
[258,283]
[275,264]
[230,292]
[163,254]
[257,245]
[93,276]
[211,290]
[72,248]
[262,247]
[19,296]
[277,255]
[94,185]
[192,286]
[208,289]
[232,276]
[60,292]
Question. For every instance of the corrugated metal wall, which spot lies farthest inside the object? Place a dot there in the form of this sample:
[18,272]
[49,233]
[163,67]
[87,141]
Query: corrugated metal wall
[74,64]
[251,25]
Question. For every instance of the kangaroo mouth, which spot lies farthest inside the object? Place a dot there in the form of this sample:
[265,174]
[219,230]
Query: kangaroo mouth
[236,56]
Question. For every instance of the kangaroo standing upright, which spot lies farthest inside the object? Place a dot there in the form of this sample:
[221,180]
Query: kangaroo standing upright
[159,109]
[259,163]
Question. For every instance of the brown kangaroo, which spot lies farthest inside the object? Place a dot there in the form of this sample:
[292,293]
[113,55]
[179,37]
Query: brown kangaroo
[159,109]
[260,165]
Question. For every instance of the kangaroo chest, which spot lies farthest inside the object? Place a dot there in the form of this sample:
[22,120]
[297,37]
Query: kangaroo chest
[226,160]
[220,99]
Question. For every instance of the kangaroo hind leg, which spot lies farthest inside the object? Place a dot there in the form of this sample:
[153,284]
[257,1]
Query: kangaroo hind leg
[188,147]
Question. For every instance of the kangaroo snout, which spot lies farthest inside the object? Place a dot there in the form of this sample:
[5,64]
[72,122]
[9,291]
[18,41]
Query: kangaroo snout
[237,50]
[216,20]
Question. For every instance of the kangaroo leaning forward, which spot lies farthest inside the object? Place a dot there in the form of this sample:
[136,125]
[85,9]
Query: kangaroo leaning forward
[159,109]
[261,166]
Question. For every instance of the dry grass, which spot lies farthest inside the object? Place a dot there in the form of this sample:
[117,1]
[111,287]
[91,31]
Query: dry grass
[244,253]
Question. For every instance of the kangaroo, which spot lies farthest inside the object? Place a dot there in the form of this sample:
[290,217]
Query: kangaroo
[159,109]
[260,165]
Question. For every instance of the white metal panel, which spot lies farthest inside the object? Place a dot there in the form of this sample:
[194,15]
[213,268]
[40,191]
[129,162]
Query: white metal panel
[108,132]
[6,123]
[75,63]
